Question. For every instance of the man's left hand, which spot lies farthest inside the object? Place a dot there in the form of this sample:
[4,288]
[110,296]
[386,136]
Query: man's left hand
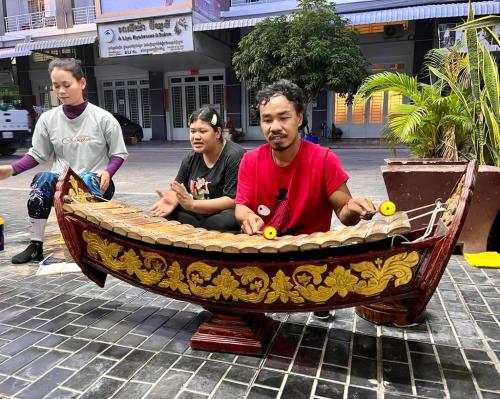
[105,180]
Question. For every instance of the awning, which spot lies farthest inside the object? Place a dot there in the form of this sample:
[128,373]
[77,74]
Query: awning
[423,12]
[57,43]
[11,52]
[430,11]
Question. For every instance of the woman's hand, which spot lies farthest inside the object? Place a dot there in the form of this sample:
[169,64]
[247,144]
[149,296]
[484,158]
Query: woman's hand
[163,207]
[105,180]
[185,199]
[6,171]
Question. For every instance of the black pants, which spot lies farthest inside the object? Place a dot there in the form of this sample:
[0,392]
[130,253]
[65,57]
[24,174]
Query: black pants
[222,221]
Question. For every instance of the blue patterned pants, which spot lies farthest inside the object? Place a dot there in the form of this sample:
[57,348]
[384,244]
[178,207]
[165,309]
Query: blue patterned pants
[43,188]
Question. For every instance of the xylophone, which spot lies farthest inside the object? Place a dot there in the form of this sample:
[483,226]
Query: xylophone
[383,267]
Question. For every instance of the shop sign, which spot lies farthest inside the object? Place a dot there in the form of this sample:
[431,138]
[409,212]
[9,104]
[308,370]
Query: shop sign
[114,8]
[146,36]
[449,37]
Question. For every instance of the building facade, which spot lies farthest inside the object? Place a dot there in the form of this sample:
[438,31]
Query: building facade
[155,61]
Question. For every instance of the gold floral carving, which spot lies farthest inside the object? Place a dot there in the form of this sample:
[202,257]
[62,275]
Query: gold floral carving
[311,283]
[76,192]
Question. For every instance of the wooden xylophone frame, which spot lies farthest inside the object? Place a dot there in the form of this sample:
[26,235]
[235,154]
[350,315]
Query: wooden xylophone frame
[388,281]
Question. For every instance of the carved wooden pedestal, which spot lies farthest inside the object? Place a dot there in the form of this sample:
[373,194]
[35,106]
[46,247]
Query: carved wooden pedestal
[248,334]
[393,313]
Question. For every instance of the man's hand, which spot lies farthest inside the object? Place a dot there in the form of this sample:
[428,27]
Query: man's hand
[163,207]
[6,171]
[361,206]
[105,180]
[185,199]
[252,224]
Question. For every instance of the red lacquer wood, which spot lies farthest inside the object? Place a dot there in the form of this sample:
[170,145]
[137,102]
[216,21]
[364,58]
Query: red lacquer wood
[239,325]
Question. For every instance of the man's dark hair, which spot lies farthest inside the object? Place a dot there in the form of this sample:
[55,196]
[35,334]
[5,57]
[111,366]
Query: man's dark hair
[284,87]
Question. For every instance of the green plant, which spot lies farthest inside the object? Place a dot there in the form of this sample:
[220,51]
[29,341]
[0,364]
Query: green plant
[312,48]
[456,114]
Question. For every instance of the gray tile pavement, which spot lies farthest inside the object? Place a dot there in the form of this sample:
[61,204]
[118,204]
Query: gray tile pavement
[63,337]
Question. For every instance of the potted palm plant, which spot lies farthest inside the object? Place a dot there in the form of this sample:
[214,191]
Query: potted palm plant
[453,117]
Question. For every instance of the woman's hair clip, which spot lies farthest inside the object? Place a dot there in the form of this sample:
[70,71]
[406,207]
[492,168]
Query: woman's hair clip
[214,120]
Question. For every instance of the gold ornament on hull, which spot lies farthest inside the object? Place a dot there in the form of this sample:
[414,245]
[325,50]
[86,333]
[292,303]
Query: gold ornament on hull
[305,283]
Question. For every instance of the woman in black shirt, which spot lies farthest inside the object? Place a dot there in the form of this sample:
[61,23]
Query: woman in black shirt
[205,187]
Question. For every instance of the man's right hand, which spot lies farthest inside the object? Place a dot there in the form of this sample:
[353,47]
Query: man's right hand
[252,224]
[6,171]
[163,207]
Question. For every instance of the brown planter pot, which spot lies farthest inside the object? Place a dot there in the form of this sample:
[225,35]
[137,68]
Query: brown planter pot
[411,183]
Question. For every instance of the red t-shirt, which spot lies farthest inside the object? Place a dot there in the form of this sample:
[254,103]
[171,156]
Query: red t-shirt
[294,198]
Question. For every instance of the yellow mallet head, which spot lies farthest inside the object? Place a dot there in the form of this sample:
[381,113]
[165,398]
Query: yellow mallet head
[269,232]
[387,208]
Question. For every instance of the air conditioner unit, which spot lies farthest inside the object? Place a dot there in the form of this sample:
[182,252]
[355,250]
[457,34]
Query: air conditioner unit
[393,31]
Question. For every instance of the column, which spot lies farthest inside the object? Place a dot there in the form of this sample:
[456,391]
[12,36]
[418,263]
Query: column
[158,121]
[64,13]
[85,54]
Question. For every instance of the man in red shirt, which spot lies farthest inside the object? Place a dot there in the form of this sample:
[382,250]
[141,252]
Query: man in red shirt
[291,184]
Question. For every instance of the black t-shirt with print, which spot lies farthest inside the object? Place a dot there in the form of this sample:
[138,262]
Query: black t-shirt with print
[208,183]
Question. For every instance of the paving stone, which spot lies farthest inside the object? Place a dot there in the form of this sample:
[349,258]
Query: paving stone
[169,385]
[222,357]
[61,393]
[425,367]
[363,372]
[277,362]
[130,364]
[241,374]
[40,366]
[21,343]
[103,388]
[20,360]
[132,390]
[44,385]
[179,343]
[229,389]
[490,395]
[262,393]
[270,378]
[285,344]
[478,355]
[357,393]
[132,340]
[334,373]
[297,387]
[307,361]
[116,352]
[191,395]
[158,339]
[207,377]
[429,389]
[331,390]
[89,374]
[51,341]
[451,358]
[12,385]
[85,355]
[394,349]
[187,363]
[155,367]
[337,352]
[486,376]
[397,377]
[460,385]
[364,345]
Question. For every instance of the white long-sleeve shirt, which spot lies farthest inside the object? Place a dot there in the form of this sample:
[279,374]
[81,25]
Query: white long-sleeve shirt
[85,143]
